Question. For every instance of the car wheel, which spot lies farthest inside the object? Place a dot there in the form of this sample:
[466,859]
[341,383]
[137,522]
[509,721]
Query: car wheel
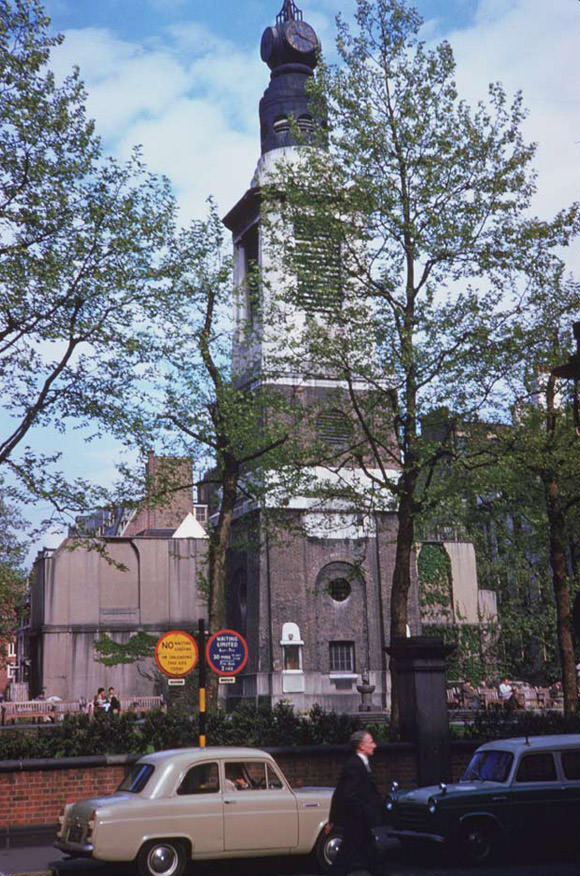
[162,858]
[479,841]
[326,849]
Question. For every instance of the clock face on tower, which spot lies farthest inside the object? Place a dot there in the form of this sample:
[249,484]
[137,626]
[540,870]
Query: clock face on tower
[301,36]
[267,44]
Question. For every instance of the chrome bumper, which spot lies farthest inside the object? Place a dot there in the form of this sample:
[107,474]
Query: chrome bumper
[75,850]
[415,834]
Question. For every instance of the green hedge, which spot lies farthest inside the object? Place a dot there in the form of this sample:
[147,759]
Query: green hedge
[262,726]
[501,725]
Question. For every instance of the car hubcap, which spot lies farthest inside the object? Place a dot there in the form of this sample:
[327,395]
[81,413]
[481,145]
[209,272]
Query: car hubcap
[162,860]
[331,848]
[478,844]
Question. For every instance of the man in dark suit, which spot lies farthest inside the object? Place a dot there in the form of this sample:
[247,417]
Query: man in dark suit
[356,807]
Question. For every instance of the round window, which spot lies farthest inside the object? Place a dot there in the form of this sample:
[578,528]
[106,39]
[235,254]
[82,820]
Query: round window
[339,589]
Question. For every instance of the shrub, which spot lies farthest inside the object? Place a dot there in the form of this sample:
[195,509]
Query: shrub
[258,726]
[500,725]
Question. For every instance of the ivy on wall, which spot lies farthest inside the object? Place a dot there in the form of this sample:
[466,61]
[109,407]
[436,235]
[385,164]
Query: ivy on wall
[476,645]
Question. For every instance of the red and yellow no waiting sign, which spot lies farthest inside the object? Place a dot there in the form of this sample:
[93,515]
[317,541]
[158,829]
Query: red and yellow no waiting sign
[176,653]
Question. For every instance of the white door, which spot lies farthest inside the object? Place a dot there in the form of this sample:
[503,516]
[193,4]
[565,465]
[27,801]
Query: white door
[261,812]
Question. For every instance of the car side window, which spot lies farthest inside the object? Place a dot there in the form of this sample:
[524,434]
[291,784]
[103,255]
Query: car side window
[274,780]
[537,768]
[136,778]
[247,775]
[571,764]
[200,779]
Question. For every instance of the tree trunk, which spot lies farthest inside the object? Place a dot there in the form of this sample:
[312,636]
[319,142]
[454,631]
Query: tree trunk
[557,527]
[217,561]
[562,594]
[401,581]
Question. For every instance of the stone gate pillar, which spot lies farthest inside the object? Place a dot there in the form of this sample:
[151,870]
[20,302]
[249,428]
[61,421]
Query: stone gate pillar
[420,664]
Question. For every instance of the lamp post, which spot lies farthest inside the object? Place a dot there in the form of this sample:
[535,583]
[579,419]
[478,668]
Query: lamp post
[570,370]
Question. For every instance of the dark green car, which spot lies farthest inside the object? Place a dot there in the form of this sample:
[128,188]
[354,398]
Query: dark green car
[514,791]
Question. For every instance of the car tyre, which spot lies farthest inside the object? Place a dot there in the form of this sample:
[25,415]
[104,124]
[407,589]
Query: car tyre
[478,841]
[162,858]
[326,849]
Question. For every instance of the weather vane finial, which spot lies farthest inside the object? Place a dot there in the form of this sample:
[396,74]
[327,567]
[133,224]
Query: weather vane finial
[289,12]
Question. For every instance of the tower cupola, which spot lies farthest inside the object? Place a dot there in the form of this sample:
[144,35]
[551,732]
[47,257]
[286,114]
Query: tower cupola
[290,49]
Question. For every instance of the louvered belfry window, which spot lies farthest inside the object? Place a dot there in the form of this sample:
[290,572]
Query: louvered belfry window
[334,428]
[317,261]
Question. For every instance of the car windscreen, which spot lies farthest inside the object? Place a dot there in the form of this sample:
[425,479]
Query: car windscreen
[489,766]
[136,778]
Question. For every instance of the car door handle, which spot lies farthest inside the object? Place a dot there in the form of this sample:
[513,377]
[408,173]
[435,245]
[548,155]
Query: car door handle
[230,802]
[501,797]
[310,805]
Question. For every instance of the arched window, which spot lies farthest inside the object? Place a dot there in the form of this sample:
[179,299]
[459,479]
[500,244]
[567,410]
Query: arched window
[238,602]
[281,125]
[334,428]
[292,673]
[306,124]
[292,643]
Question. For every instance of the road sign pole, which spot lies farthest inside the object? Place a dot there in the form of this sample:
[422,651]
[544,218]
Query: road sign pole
[202,712]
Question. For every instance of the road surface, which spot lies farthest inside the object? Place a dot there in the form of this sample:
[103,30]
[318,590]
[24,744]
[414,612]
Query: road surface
[43,859]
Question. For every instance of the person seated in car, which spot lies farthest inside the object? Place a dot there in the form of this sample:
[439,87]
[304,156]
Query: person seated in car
[235,780]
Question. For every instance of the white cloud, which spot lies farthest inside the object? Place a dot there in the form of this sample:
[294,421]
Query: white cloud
[532,46]
[192,143]
[194,96]
[189,98]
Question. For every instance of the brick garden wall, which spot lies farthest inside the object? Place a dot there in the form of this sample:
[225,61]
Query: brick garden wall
[313,766]
[34,792]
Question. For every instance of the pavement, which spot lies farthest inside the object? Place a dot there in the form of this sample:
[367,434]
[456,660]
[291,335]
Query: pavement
[30,854]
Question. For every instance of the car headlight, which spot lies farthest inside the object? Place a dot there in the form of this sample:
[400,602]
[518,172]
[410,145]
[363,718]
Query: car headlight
[389,805]
[62,819]
[432,805]
[91,823]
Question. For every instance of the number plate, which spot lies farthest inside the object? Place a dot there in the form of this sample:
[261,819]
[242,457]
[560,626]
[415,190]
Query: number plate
[75,834]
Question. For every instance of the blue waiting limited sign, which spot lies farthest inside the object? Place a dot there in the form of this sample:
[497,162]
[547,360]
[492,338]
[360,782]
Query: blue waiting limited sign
[226,652]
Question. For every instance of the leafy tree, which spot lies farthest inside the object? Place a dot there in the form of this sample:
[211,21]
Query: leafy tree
[515,489]
[12,574]
[543,448]
[499,507]
[426,200]
[80,241]
[475,654]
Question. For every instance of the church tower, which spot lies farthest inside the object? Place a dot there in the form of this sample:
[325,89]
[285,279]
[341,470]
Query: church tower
[290,49]
[314,604]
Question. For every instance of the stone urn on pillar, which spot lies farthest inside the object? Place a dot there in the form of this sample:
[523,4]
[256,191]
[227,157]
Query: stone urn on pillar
[366,692]
[420,666]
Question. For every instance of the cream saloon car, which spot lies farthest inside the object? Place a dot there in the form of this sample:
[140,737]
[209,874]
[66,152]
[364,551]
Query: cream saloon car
[199,803]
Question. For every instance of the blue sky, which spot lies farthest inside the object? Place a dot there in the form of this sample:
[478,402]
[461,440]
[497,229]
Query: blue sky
[184,77]
[238,20]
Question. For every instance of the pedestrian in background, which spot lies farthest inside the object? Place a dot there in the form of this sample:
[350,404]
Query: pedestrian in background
[100,701]
[356,807]
[114,703]
[504,691]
